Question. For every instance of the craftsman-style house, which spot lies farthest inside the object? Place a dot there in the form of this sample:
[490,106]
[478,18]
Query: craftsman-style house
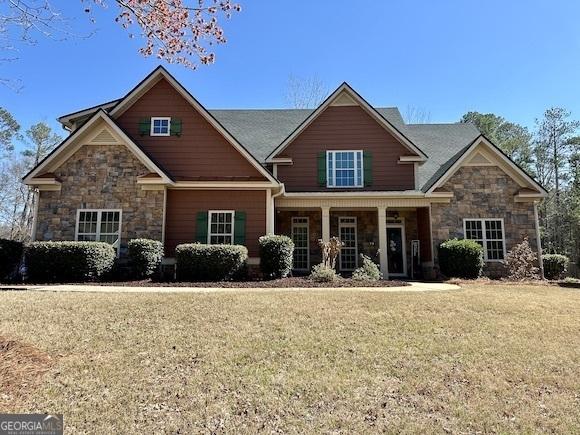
[158,164]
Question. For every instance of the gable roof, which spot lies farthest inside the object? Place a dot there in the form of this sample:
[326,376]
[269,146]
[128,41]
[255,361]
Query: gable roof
[71,140]
[160,73]
[259,130]
[509,166]
[259,133]
[342,91]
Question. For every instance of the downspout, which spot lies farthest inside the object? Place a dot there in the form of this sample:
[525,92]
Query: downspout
[273,207]
[35,214]
[538,240]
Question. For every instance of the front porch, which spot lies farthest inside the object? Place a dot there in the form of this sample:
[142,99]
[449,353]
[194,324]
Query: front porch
[403,233]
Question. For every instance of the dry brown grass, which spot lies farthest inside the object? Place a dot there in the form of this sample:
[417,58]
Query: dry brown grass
[486,359]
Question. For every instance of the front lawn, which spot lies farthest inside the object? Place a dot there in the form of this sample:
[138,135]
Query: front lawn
[489,358]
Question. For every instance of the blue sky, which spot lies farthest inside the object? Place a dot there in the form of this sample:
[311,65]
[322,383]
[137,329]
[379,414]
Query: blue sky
[513,58]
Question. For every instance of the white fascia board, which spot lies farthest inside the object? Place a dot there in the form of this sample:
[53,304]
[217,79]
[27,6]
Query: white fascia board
[72,140]
[482,140]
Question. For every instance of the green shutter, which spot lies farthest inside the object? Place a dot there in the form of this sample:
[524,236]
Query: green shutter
[368,168]
[240,228]
[201,227]
[322,169]
[145,126]
[175,127]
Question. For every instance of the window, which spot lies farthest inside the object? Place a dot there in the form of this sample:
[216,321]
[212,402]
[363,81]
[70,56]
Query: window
[344,168]
[347,235]
[489,234]
[300,238]
[99,226]
[221,227]
[160,126]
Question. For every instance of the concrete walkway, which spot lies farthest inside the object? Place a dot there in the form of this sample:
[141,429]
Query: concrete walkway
[414,287]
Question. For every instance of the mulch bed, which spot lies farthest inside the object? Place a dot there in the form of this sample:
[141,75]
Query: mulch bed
[21,368]
[275,283]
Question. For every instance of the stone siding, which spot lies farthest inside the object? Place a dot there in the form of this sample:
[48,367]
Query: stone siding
[101,177]
[484,192]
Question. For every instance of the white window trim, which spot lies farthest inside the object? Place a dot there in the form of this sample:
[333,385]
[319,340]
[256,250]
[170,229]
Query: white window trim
[356,173]
[484,236]
[161,118]
[307,226]
[349,225]
[209,233]
[100,212]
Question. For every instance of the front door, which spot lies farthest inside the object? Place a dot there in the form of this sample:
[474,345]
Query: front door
[396,255]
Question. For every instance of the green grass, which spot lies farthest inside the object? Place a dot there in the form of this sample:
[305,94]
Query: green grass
[484,359]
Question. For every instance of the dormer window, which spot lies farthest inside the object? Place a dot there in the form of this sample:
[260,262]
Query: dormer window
[160,126]
[345,168]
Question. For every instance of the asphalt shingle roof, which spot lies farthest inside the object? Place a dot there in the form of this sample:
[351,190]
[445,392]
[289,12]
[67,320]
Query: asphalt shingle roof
[261,131]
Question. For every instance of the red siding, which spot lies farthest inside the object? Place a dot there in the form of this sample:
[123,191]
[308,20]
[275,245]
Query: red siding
[183,205]
[346,128]
[200,153]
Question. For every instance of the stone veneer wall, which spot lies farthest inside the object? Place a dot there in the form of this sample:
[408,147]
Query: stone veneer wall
[484,192]
[367,234]
[101,177]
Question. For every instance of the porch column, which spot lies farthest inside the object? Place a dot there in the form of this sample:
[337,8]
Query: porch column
[270,216]
[325,223]
[382,220]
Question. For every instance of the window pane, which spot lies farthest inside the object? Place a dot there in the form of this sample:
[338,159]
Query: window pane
[473,230]
[359,169]
[87,237]
[160,126]
[494,250]
[221,228]
[348,253]
[300,238]
[330,171]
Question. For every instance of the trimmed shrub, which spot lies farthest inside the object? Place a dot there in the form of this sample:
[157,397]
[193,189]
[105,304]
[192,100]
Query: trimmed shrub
[145,257]
[461,258]
[68,261]
[10,256]
[276,254]
[369,271]
[555,266]
[199,262]
[323,273]
[521,262]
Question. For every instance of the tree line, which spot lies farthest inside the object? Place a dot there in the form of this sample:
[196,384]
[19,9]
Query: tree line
[17,200]
[551,154]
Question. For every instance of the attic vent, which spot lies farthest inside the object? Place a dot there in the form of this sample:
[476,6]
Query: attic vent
[344,100]
[104,137]
[479,160]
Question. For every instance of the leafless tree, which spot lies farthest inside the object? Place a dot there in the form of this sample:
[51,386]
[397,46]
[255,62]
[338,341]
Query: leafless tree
[417,115]
[177,31]
[305,92]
